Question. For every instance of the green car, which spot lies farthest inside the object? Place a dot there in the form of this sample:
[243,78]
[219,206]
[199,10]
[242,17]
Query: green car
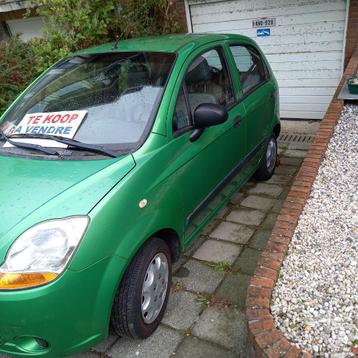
[112,162]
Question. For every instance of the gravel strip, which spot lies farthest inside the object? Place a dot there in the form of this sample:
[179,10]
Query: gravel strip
[315,301]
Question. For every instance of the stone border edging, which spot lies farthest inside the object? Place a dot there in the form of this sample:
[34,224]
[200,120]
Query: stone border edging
[266,339]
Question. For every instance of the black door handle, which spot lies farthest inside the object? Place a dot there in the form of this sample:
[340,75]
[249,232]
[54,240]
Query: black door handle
[237,121]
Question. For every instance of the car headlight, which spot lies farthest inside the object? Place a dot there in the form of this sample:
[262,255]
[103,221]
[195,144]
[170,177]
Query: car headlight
[41,253]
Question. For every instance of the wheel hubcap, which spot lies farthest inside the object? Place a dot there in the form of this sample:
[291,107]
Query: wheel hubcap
[154,288]
[271,155]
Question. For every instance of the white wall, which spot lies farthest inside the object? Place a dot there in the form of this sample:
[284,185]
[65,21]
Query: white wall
[28,28]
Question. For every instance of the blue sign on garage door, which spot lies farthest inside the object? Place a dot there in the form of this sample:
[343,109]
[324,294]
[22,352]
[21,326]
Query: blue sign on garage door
[263,32]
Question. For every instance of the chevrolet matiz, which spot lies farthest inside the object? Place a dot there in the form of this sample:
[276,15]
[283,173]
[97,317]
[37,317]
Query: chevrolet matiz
[111,163]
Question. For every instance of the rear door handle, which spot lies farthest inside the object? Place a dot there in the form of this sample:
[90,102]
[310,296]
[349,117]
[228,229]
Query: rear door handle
[237,121]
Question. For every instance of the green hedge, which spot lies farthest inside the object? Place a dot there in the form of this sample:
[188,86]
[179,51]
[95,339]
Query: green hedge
[72,25]
[16,69]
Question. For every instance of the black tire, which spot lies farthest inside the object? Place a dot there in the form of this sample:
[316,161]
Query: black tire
[127,319]
[267,167]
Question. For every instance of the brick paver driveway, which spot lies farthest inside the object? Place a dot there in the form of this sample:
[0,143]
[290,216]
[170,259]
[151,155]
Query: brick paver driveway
[205,316]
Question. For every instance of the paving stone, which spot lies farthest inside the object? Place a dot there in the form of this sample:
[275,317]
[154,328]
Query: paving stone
[281,148]
[291,161]
[195,245]
[234,288]
[259,239]
[215,251]
[239,234]
[236,199]
[279,179]
[277,207]
[210,227]
[267,189]
[248,217]
[222,212]
[295,153]
[182,311]
[246,263]
[270,221]
[108,343]
[196,348]
[285,170]
[299,146]
[224,326]
[81,355]
[284,193]
[248,185]
[161,344]
[178,264]
[258,202]
[198,277]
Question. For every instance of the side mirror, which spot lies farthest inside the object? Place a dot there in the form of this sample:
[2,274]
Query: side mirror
[207,115]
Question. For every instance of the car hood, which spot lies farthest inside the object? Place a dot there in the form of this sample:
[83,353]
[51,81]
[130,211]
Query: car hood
[35,190]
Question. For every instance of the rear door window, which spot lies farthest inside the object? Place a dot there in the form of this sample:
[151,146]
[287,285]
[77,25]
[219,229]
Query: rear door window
[250,66]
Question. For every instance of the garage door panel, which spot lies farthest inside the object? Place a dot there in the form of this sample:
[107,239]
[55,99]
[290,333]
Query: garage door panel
[309,74]
[308,82]
[305,47]
[283,26]
[281,7]
[305,99]
[305,57]
[314,107]
[304,91]
[302,114]
[283,39]
[285,13]
[304,65]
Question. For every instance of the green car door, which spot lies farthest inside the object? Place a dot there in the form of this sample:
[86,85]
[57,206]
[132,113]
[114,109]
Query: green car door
[204,164]
[257,95]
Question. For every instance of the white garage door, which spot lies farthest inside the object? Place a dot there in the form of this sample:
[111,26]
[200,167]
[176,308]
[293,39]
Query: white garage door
[304,48]
[27,28]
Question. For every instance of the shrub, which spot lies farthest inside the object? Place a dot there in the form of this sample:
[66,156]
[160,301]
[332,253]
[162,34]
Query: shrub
[72,25]
[16,69]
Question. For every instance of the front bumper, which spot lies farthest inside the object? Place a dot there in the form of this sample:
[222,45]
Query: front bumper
[71,314]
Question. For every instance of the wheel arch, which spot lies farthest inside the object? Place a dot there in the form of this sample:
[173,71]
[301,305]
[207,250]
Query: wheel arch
[277,130]
[171,238]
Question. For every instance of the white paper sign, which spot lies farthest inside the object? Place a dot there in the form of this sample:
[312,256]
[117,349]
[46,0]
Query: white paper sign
[64,124]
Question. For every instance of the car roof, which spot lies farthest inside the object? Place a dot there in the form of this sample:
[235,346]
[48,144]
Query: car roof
[162,43]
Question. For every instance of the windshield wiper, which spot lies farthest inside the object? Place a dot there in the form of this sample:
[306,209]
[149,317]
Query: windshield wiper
[28,145]
[71,142]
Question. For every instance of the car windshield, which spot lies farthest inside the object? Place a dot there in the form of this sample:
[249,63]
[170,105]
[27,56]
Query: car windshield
[114,95]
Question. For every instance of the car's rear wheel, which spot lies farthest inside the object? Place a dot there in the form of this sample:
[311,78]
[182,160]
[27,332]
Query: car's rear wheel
[268,161]
[143,294]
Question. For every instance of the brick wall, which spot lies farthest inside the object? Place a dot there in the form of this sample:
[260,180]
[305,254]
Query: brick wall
[352,31]
[180,9]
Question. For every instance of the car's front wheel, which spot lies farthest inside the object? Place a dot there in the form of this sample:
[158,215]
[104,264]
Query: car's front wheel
[268,161]
[143,294]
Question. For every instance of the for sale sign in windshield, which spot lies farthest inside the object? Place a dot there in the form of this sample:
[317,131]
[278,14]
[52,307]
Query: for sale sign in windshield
[64,124]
